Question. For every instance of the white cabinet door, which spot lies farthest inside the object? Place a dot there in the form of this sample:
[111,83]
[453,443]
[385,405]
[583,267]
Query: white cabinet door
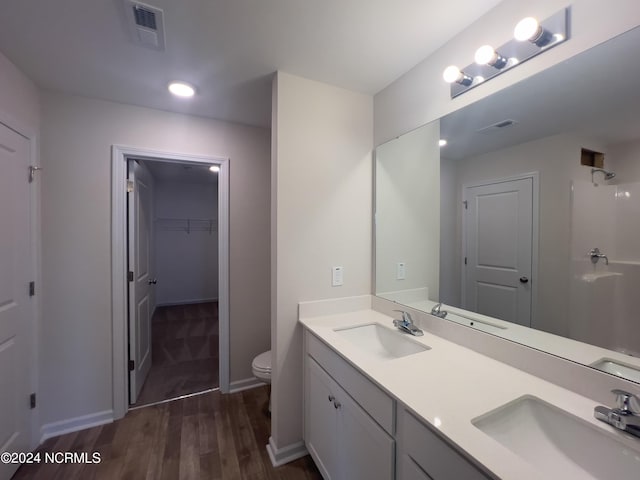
[321,420]
[410,470]
[366,451]
[344,441]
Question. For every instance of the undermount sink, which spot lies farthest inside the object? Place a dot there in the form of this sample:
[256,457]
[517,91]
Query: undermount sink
[558,443]
[381,342]
[619,369]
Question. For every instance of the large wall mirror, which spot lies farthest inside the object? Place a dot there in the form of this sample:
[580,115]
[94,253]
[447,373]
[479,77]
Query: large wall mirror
[527,223]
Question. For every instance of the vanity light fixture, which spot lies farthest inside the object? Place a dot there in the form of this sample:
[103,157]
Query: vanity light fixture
[214,168]
[182,89]
[453,74]
[530,38]
[486,55]
[529,29]
[442,142]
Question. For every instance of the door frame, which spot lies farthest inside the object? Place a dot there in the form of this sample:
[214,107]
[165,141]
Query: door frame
[119,285]
[34,307]
[535,232]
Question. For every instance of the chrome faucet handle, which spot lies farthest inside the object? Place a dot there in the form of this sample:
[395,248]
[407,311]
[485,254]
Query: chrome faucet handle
[596,255]
[406,317]
[627,402]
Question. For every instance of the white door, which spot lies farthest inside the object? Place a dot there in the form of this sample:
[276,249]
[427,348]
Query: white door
[499,240]
[140,278]
[15,312]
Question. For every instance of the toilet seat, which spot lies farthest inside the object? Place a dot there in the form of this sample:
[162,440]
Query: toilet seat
[261,366]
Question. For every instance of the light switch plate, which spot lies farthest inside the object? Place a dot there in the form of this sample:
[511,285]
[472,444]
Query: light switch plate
[401,272]
[337,277]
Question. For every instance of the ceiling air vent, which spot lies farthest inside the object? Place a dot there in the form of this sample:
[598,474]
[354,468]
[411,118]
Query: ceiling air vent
[496,127]
[146,24]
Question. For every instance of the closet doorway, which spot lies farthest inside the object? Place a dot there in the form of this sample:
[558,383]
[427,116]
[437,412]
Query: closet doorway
[173,215]
[173,297]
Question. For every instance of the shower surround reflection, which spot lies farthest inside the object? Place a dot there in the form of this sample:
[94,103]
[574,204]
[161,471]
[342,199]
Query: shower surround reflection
[604,300]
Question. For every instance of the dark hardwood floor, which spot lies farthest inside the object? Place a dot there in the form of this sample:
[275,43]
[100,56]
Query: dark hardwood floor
[208,436]
[184,352]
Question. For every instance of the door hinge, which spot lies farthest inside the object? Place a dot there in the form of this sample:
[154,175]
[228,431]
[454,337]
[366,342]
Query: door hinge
[129,186]
[32,401]
[466,204]
[32,289]
[132,365]
[130,276]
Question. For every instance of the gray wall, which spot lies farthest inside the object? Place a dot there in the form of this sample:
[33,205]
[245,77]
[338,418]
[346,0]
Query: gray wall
[76,196]
[186,263]
[322,218]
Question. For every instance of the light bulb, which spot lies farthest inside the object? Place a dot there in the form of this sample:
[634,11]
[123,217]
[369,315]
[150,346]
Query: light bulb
[182,89]
[526,29]
[451,74]
[442,142]
[485,54]
[214,168]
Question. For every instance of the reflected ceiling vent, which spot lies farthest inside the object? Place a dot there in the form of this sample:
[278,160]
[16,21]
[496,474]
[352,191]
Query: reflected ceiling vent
[496,127]
[146,24]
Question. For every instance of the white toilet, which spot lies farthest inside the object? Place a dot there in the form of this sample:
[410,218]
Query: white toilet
[261,367]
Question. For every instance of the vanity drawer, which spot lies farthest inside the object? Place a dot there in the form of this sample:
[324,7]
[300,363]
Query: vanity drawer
[370,397]
[432,454]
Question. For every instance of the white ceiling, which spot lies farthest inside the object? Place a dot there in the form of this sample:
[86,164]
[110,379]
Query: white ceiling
[227,48]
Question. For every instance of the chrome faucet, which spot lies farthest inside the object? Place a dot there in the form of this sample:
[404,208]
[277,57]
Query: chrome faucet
[625,416]
[436,310]
[596,255]
[406,324]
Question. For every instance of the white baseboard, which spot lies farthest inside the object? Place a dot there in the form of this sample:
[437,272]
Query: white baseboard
[186,302]
[246,384]
[74,424]
[280,456]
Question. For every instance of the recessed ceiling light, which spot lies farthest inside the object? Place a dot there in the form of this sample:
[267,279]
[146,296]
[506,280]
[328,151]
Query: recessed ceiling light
[182,89]
[214,168]
[442,142]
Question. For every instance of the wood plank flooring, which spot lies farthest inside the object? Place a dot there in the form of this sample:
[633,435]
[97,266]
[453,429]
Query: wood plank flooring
[208,436]
[184,352]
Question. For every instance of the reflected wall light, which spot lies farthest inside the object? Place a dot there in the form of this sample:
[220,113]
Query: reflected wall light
[530,38]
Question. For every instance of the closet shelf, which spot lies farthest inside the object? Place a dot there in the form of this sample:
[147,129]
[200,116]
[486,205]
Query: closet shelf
[187,225]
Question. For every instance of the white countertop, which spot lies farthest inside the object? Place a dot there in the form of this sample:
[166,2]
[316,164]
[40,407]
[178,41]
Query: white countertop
[448,386]
[563,347]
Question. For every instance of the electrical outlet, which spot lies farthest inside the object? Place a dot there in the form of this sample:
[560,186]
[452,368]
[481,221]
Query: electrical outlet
[337,276]
[401,272]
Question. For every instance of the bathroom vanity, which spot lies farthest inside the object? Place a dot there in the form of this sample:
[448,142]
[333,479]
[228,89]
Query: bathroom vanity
[381,404]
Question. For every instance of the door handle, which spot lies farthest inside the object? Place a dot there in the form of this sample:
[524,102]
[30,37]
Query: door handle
[152,282]
[524,280]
